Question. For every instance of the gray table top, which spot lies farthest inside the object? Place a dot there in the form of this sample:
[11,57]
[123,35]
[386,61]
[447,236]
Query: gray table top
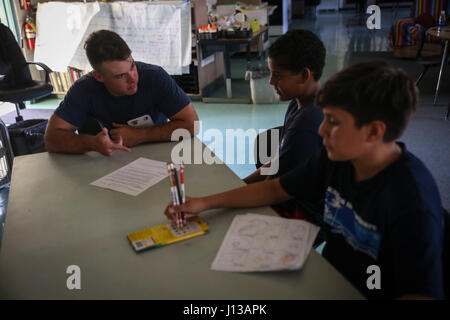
[56,219]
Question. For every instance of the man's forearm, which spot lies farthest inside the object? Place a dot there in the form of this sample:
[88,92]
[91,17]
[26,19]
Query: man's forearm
[254,195]
[60,140]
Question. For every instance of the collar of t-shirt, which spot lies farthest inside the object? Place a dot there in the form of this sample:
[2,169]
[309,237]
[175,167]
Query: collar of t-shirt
[294,109]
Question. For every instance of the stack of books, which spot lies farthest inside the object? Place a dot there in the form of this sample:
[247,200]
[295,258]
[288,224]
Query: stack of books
[62,81]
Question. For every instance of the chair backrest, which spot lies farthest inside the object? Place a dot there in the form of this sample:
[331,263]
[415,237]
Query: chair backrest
[12,62]
[432,7]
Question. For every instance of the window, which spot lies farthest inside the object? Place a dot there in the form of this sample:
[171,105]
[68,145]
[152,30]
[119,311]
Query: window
[8,18]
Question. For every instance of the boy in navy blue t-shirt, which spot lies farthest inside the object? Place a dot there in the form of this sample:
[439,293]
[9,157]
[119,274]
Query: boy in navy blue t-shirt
[296,61]
[382,208]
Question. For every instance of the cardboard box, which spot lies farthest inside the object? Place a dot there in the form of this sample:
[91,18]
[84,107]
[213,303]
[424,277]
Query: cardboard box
[257,14]
[225,11]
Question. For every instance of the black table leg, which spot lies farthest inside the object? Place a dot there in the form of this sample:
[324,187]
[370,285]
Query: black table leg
[226,55]
[448,112]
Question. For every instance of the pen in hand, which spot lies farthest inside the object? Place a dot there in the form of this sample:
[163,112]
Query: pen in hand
[173,190]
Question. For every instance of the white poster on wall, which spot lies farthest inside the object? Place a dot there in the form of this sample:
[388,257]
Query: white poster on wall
[156,33]
[60,28]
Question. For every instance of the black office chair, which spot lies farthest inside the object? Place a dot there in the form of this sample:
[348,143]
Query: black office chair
[16,86]
[263,141]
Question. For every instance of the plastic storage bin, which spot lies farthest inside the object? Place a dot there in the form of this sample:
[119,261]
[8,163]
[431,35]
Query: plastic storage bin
[262,92]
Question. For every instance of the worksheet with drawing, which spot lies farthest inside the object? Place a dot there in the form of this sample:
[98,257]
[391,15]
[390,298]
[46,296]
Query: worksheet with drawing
[257,242]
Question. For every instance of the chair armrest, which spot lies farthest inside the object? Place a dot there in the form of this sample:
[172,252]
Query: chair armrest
[46,69]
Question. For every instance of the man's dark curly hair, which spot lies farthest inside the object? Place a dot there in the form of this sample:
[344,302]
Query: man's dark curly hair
[105,45]
[372,91]
[299,49]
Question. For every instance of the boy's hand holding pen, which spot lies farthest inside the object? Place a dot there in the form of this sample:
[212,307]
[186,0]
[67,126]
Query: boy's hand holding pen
[191,206]
[178,193]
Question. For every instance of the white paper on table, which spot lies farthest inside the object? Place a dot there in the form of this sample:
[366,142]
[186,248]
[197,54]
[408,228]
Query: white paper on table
[135,177]
[265,243]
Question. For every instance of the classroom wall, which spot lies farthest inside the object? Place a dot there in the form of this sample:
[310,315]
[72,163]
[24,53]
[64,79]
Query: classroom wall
[206,75]
[21,16]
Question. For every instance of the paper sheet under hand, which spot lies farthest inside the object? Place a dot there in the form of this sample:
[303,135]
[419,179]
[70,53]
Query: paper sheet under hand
[135,177]
[265,243]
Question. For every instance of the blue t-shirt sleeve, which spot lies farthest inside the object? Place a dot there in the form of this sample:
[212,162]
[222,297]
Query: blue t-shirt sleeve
[417,246]
[170,98]
[74,109]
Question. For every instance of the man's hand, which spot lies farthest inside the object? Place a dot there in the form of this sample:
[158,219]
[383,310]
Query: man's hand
[184,119]
[130,136]
[106,146]
[191,206]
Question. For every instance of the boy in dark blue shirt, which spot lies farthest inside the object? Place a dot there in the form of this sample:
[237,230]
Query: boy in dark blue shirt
[382,208]
[296,61]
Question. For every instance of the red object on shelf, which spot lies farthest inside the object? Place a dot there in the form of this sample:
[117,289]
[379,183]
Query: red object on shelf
[25,4]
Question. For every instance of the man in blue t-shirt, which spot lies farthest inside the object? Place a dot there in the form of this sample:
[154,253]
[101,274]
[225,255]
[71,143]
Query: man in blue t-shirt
[382,211]
[131,101]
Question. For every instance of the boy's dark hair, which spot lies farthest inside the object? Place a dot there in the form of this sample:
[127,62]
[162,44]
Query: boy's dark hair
[105,45]
[373,91]
[299,49]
